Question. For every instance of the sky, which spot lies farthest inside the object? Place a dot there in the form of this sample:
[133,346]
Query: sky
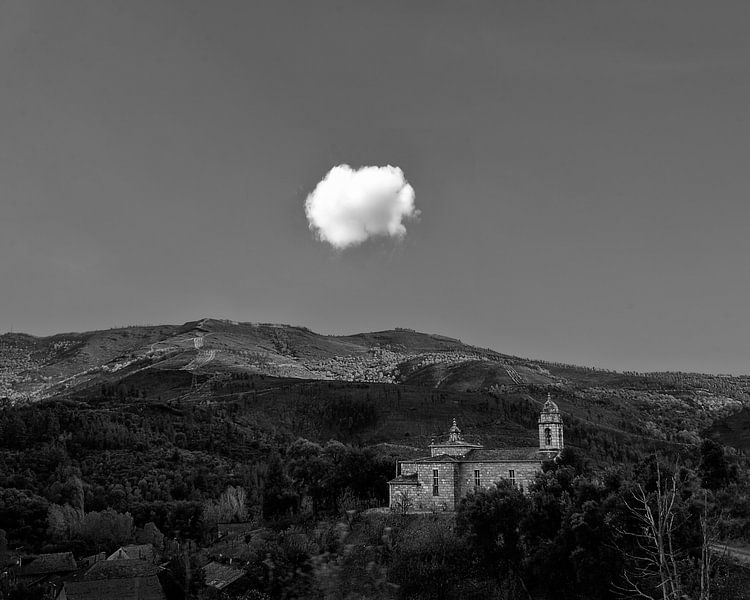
[580,170]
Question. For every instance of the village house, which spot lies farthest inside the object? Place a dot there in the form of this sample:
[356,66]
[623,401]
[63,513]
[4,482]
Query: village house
[145,552]
[456,466]
[225,578]
[46,569]
[116,579]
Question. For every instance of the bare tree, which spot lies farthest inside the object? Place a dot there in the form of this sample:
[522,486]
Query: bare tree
[709,538]
[403,503]
[652,566]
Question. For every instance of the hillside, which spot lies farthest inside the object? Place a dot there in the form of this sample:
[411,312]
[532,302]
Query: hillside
[223,361]
[34,367]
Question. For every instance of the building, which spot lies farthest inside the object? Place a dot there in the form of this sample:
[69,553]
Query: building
[225,578]
[125,588]
[47,568]
[145,552]
[455,467]
[238,530]
[116,579]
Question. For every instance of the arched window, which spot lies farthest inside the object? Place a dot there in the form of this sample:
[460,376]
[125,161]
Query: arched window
[548,436]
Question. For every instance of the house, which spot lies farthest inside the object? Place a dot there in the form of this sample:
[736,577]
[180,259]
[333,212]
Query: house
[116,579]
[225,578]
[46,568]
[235,529]
[129,588]
[87,561]
[145,552]
[122,568]
[456,466]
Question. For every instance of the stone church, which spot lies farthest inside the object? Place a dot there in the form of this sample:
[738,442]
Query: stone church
[454,467]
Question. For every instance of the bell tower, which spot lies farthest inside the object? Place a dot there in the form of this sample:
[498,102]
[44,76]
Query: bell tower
[550,427]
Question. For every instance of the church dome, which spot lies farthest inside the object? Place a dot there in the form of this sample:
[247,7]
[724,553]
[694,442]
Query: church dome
[550,406]
[550,412]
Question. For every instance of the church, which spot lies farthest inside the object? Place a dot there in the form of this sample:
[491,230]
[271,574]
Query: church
[454,467]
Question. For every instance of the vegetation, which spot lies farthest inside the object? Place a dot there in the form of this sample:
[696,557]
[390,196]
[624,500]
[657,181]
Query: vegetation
[132,445]
[88,476]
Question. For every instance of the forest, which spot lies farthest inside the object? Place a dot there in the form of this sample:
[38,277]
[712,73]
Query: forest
[308,483]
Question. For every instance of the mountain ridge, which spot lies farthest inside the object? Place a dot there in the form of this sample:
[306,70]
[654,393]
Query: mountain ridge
[167,362]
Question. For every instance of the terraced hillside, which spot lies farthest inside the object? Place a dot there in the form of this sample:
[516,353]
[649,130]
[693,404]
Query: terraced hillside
[33,368]
[216,361]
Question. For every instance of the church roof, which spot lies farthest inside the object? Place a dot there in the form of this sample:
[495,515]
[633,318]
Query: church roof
[440,458]
[456,444]
[502,455]
[484,455]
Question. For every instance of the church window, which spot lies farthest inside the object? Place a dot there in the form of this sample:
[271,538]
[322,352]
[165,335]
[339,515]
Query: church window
[512,476]
[435,483]
[477,480]
[548,436]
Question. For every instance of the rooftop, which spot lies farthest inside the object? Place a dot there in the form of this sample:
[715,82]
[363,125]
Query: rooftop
[502,455]
[141,551]
[437,458]
[220,576]
[130,588]
[45,564]
[120,569]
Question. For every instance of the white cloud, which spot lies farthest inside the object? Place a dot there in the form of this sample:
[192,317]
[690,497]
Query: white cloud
[349,206]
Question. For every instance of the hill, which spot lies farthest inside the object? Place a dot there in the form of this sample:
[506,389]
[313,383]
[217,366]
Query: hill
[214,360]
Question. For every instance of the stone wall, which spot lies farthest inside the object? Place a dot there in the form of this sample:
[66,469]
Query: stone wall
[455,480]
[421,495]
[554,424]
[491,473]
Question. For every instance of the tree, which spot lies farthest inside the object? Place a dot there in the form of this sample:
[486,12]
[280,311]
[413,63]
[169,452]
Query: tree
[491,519]
[107,528]
[63,522]
[713,469]
[430,561]
[403,502]
[652,565]
[231,506]
[151,535]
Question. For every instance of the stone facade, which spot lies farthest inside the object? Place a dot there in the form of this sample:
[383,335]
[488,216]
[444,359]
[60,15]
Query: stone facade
[456,467]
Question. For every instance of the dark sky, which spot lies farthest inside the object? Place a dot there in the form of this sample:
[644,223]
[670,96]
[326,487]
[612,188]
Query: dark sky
[582,170]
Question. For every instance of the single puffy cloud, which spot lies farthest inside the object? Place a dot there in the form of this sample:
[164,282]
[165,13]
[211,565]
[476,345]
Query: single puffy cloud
[349,206]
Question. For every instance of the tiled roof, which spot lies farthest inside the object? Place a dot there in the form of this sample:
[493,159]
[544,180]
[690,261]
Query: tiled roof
[440,458]
[45,564]
[457,443]
[129,588]
[120,569]
[142,551]
[502,455]
[220,576]
[485,455]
